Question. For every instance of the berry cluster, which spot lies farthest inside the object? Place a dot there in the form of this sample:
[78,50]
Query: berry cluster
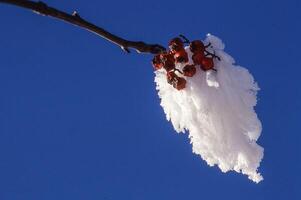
[178,55]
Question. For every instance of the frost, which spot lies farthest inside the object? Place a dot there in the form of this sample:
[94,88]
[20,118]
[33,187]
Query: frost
[217,110]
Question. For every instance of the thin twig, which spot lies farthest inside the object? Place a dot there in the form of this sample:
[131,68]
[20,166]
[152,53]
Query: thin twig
[212,54]
[185,39]
[43,9]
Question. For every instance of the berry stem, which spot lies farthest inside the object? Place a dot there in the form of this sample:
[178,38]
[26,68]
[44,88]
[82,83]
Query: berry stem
[213,55]
[178,70]
[185,39]
[208,45]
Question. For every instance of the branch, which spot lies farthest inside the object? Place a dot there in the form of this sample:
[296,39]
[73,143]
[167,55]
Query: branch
[43,9]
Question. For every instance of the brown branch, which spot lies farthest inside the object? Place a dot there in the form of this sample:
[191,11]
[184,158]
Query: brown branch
[43,9]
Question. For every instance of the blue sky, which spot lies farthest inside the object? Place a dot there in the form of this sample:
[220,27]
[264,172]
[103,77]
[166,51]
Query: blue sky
[80,119]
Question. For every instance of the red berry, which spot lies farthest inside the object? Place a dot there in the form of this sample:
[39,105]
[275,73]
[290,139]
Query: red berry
[171,75]
[197,58]
[157,62]
[176,44]
[168,61]
[207,63]
[181,56]
[179,83]
[189,70]
[197,46]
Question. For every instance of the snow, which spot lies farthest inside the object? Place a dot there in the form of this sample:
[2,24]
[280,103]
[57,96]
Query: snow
[217,111]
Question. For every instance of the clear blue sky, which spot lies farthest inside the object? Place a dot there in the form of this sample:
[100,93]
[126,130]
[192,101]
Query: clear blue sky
[80,119]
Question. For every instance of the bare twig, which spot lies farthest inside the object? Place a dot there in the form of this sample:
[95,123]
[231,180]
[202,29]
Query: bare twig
[43,9]
[185,39]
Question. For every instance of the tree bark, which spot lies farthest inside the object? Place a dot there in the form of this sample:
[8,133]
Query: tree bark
[74,18]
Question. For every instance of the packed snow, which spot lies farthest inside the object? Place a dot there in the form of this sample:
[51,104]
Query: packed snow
[217,110]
